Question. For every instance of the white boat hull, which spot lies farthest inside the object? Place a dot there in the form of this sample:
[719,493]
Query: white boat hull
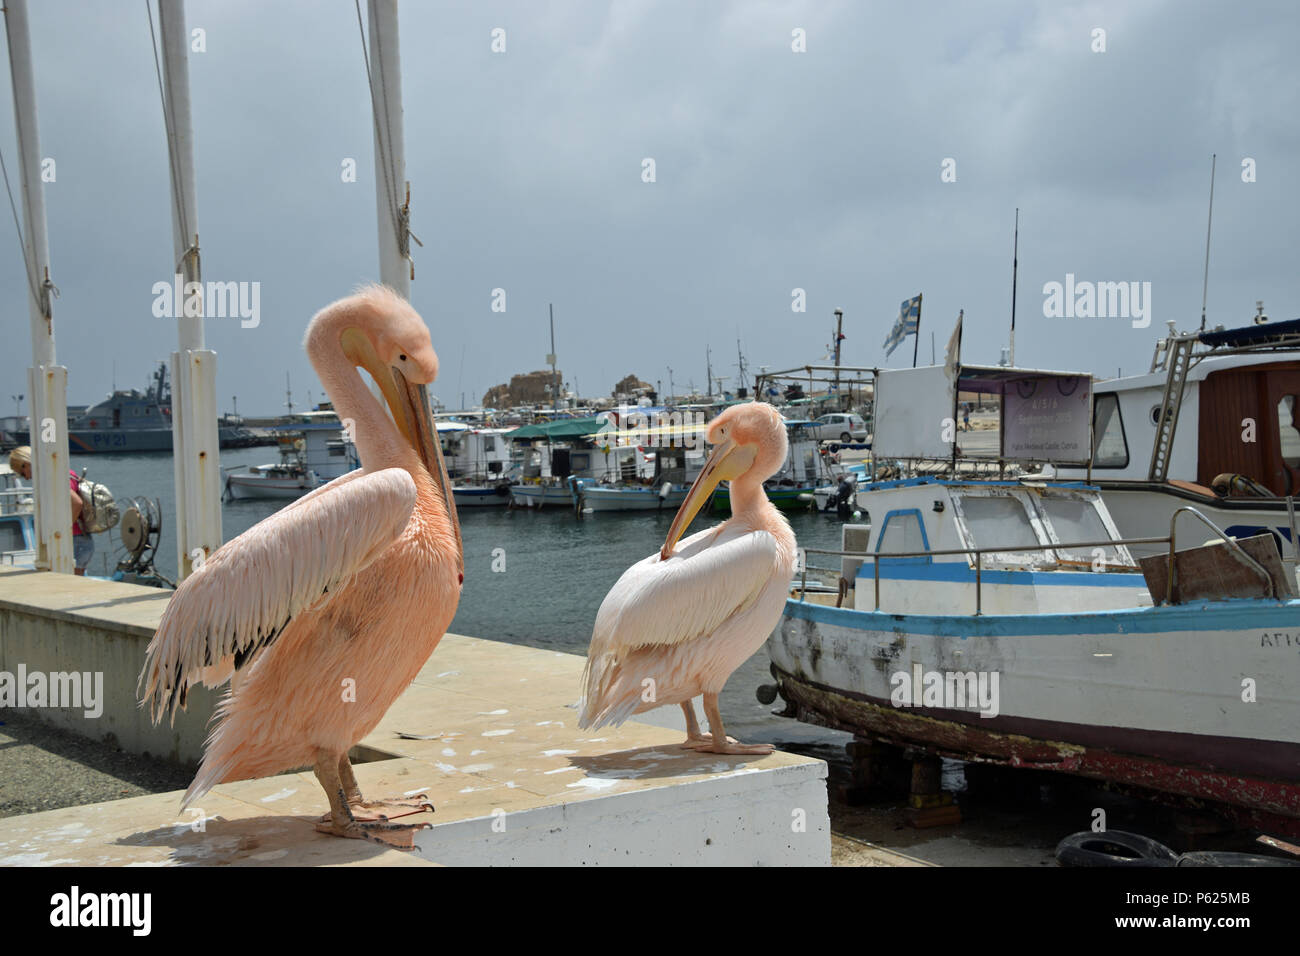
[480,497]
[541,496]
[239,487]
[598,498]
[1150,697]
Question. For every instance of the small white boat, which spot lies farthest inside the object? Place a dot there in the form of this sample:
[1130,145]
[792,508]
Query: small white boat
[676,453]
[555,458]
[288,480]
[311,454]
[17,520]
[623,497]
[548,493]
[480,493]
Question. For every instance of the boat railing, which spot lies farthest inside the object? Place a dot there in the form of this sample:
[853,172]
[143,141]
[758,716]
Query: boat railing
[15,501]
[1169,540]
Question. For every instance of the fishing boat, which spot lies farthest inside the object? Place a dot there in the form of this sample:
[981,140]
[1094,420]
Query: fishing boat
[556,459]
[1009,622]
[1214,424]
[656,465]
[311,454]
[479,463]
[17,519]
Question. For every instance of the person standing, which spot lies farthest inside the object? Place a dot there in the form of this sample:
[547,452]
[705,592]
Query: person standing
[83,546]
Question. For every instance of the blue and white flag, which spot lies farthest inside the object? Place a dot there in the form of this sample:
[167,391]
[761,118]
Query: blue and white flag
[909,318]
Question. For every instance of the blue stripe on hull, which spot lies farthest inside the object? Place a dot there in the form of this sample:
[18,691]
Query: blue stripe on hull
[895,569]
[1201,616]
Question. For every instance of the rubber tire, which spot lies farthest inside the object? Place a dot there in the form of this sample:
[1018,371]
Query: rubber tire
[1215,858]
[845,437]
[1089,849]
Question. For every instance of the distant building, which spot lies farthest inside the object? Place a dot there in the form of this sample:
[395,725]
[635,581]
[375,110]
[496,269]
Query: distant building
[630,389]
[530,388]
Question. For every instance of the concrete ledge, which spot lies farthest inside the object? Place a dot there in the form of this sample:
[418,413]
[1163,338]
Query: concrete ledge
[60,623]
[487,729]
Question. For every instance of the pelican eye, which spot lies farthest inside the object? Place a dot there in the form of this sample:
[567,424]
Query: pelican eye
[402,358]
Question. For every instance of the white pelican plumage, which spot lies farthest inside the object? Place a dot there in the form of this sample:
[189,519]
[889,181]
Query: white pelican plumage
[678,623]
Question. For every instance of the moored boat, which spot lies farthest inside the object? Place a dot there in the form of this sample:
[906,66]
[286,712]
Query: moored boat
[311,454]
[1010,622]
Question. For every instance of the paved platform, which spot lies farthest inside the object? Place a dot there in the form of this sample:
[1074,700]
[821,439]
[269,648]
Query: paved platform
[492,737]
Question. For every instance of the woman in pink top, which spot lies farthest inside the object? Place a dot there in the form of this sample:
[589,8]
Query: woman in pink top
[83,546]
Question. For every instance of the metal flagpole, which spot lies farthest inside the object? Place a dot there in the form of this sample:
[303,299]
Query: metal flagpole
[1015,265]
[917,342]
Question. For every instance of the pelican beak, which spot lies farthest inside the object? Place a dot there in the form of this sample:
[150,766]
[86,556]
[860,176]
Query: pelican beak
[411,412]
[728,460]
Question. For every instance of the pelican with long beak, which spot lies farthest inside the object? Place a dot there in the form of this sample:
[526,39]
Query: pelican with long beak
[323,613]
[678,623]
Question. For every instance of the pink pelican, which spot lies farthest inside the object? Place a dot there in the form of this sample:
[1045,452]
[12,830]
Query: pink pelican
[322,614]
[678,623]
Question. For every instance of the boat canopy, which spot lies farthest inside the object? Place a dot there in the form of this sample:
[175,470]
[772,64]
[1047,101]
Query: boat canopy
[558,430]
[1262,334]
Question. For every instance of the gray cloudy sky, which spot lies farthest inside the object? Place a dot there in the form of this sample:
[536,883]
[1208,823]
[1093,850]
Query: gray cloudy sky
[775,170]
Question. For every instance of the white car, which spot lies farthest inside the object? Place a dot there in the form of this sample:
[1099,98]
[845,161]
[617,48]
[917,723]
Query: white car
[840,426]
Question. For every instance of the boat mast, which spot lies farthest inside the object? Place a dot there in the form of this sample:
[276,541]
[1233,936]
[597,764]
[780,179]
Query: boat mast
[550,357]
[839,335]
[47,382]
[1205,284]
[195,447]
[740,370]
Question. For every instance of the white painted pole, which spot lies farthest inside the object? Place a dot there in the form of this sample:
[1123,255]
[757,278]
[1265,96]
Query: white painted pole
[195,443]
[390,146]
[47,382]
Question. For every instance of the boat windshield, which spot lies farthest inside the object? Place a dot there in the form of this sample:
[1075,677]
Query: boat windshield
[999,524]
[1077,519]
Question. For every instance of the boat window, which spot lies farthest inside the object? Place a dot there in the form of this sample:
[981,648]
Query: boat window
[1076,520]
[1110,449]
[997,523]
[1289,435]
[489,443]
[11,536]
[902,534]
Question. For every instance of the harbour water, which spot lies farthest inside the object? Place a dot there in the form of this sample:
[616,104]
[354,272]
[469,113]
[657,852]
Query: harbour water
[531,577]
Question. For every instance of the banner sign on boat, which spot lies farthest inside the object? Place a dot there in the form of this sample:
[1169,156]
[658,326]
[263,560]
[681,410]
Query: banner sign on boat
[1047,418]
[912,405]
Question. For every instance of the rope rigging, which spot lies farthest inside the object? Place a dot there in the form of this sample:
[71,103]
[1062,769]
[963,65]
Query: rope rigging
[401,214]
[173,160]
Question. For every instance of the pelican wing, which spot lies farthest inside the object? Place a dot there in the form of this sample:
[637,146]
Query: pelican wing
[242,597]
[712,576]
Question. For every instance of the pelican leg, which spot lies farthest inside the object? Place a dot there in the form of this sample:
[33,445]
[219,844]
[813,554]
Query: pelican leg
[341,822]
[727,745]
[406,806]
[694,736]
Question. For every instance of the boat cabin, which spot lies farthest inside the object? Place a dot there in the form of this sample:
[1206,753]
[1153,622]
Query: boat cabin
[928,545]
